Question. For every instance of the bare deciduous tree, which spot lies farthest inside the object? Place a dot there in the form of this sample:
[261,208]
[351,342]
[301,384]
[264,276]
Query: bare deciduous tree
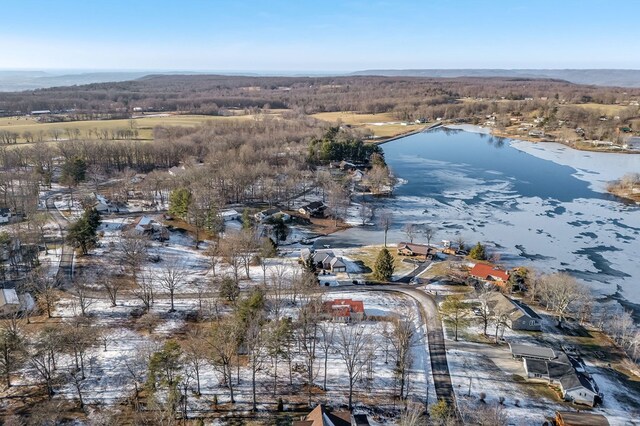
[354,345]
[385,220]
[172,277]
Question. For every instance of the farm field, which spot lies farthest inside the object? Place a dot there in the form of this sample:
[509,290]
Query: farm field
[91,128]
[384,125]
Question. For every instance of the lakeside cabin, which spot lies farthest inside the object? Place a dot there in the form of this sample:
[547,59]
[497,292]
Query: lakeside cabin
[519,315]
[416,250]
[489,274]
[567,372]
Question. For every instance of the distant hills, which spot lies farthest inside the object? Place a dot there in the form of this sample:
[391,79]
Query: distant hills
[598,77]
[14,81]
[11,81]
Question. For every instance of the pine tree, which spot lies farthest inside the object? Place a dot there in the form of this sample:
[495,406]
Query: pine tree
[383,268]
[478,252]
[179,201]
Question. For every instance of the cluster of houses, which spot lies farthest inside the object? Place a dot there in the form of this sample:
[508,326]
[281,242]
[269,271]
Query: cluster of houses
[566,371]
[324,260]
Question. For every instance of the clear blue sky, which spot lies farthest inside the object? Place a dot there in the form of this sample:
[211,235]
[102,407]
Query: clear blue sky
[318,35]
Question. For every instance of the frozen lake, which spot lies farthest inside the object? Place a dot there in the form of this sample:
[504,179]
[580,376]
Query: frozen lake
[541,205]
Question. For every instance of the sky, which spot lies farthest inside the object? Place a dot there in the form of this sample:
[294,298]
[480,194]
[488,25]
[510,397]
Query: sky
[318,35]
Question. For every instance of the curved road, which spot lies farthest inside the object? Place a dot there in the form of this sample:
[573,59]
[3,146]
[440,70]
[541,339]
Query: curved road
[435,335]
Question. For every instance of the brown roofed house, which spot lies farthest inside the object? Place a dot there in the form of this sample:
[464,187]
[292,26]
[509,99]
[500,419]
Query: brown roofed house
[319,416]
[417,250]
[577,418]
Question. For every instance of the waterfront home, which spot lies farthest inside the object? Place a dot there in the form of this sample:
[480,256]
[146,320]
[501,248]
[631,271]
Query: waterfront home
[519,315]
[489,274]
[568,373]
[416,250]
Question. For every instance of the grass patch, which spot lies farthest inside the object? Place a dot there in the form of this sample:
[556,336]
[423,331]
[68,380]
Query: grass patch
[368,254]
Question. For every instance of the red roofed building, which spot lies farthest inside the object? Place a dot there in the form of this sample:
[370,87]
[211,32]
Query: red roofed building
[344,309]
[489,273]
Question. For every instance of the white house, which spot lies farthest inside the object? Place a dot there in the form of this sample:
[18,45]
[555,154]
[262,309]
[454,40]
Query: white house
[9,301]
[228,215]
[270,213]
[632,142]
[5,215]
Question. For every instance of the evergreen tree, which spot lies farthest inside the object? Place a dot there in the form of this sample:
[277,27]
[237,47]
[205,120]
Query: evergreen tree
[246,219]
[74,171]
[478,252]
[179,202]
[383,268]
[164,369]
[280,229]
[82,233]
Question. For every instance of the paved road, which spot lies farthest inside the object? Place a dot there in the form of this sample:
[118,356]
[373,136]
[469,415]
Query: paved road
[417,271]
[435,335]
[437,348]
[65,269]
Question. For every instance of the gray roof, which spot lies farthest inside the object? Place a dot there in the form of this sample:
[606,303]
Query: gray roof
[539,352]
[514,308]
[337,261]
[305,253]
[536,366]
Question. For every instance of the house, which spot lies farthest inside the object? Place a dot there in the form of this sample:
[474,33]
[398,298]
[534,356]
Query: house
[315,208]
[357,176]
[101,204]
[569,374]
[5,215]
[320,416]
[337,265]
[177,170]
[416,250]
[273,212]
[343,310]
[536,133]
[580,418]
[489,273]
[519,315]
[145,225]
[228,215]
[41,112]
[9,301]
[632,142]
[531,352]
[324,259]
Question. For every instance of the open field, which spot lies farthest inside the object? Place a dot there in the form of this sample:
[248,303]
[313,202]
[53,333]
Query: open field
[90,128]
[383,125]
[605,109]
